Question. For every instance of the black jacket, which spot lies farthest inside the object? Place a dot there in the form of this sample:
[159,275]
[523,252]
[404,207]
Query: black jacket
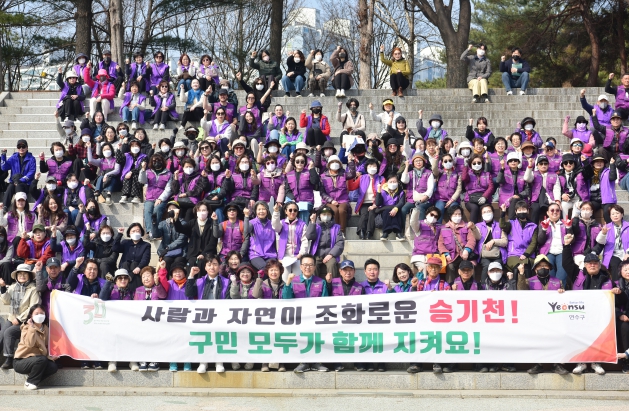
[198,243]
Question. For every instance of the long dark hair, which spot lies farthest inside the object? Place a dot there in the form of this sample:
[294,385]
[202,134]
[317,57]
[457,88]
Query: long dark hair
[5,244]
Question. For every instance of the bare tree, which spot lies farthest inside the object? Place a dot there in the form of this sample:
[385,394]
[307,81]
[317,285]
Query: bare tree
[116,30]
[365,28]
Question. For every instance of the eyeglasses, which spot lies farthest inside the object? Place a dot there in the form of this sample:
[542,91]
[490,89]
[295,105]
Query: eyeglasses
[292,210]
[232,210]
[251,98]
[307,265]
[542,164]
[205,148]
[554,210]
[300,162]
[159,57]
[569,163]
[220,114]
[21,146]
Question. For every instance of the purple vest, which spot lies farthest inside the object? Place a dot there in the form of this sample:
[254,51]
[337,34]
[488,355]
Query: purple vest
[108,87]
[459,164]
[293,137]
[232,237]
[379,288]
[242,185]
[67,254]
[215,182]
[337,288]
[426,242]
[111,70]
[584,136]
[32,250]
[608,251]
[156,184]
[622,98]
[302,189]
[447,234]
[230,111]
[579,242]
[140,293]
[496,233]
[519,238]
[269,186]
[176,293]
[485,138]
[444,133]
[316,287]
[276,122]
[474,287]
[582,187]
[169,101]
[12,225]
[553,284]
[127,101]
[551,179]
[580,281]
[446,186]
[476,184]
[216,129]
[224,289]
[299,230]
[389,200]
[267,292]
[262,240]
[212,70]
[158,72]
[58,284]
[535,138]
[137,72]
[129,161]
[94,224]
[507,189]
[64,93]
[82,280]
[608,191]
[107,165]
[82,196]
[495,163]
[254,110]
[365,180]
[417,184]
[334,232]
[609,136]
[79,70]
[336,191]
[115,295]
[323,121]
[188,185]
[545,248]
[399,289]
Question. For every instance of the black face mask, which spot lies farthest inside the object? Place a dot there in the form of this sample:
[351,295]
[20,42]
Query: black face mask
[91,211]
[316,110]
[107,60]
[342,55]
[521,216]
[171,213]
[543,272]
[516,58]
[158,166]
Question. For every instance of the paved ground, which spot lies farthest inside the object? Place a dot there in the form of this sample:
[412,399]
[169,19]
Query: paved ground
[388,400]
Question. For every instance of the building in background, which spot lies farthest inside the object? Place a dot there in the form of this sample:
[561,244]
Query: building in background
[428,64]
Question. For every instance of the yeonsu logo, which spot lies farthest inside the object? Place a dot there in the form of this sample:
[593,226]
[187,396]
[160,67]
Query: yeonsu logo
[571,307]
[96,313]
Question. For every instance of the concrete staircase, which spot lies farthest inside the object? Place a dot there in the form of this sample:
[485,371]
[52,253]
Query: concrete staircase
[29,115]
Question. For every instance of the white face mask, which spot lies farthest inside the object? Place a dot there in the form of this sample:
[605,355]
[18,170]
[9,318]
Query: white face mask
[456,219]
[180,153]
[448,166]
[81,61]
[271,167]
[58,153]
[495,275]
[318,57]
[244,166]
[420,151]
[136,236]
[296,59]
[105,237]
[477,167]
[465,152]
[335,166]
[392,186]
[480,53]
[72,185]
[202,215]
[71,241]
[528,127]
[328,152]
[586,214]
[107,153]
[188,170]
[488,216]
[215,167]
[39,318]
[325,218]
[272,149]
[266,58]
[602,105]
[430,219]
[68,131]
[372,170]
[86,139]
[51,187]
[435,124]
[135,150]
[259,86]
[165,149]
[123,132]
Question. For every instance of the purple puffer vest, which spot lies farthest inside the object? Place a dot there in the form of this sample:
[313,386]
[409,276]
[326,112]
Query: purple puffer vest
[302,189]
[337,288]
[426,242]
[299,230]
[553,284]
[156,184]
[519,238]
[262,240]
[379,288]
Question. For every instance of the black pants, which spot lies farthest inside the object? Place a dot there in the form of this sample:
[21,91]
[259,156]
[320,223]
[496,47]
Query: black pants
[118,83]
[106,267]
[474,210]
[538,212]
[193,262]
[452,270]
[13,188]
[398,80]
[268,80]
[186,208]
[72,109]
[367,219]
[161,117]
[38,368]
[315,137]
[624,113]
[596,205]
[191,115]
[9,336]
[5,272]
[204,84]
[171,260]
[341,81]
[622,329]
[82,171]
[258,263]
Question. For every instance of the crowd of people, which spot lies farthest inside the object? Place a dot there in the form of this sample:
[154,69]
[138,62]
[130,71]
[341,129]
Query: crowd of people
[234,200]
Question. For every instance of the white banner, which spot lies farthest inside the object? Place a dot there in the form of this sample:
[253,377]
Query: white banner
[457,327]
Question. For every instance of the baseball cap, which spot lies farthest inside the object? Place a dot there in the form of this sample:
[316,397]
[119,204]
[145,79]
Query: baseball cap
[466,265]
[591,257]
[603,97]
[40,227]
[22,141]
[52,261]
[346,263]
[20,195]
[494,266]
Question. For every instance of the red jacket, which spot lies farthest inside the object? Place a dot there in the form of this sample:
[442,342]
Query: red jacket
[24,251]
[107,91]
[325,123]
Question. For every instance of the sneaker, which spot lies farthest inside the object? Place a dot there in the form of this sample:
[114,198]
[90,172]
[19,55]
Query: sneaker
[339,367]
[302,368]
[413,369]
[112,366]
[522,92]
[322,95]
[447,369]
[235,366]
[509,93]
[493,368]
[219,367]
[625,367]
[134,125]
[399,237]
[134,366]
[436,368]
[297,94]
[85,365]
[123,200]
[282,368]
[162,127]
[578,370]
[136,200]
[286,94]
[144,366]
[370,367]
[475,99]
[108,200]
[598,369]
[310,95]
[8,363]
[359,367]
[155,126]
[508,368]
[485,98]
[173,367]
[481,368]
[536,369]
[380,367]
[249,366]
[559,369]
[29,386]
[202,368]
[319,367]
[264,368]
[342,93]
[187,366]
[98,365]
[338,93]
[153,366]
[384,237]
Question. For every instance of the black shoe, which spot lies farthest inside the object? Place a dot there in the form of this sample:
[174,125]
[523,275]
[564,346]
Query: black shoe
[384,236]
[414,368]
[559,369]
[8,363]
[436,368]
[625,367]
[287,95]
[508,368]
[339,367]
[319,367]
[481,368]
[493,368]
[362,235]
[370,367]
[302,368]
[360,367]
[399,236]
[536,369]
[368,235]
[380,367]
[85,365]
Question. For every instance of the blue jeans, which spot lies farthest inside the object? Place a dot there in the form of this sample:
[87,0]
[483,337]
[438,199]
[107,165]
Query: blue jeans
[130,115]
[187,84]
[406,209]
[288,150]
[557,268]
[72,215]
[151,210]
[441,205]
[305,215]
[297,84]
[624,183]
[522,82]
[113,185]
[220,214]
[422,210]
[274,135]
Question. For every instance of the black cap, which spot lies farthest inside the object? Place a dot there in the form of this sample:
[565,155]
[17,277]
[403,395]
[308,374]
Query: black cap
[223,91]
[567,157]
[591,257]
[52,261]
[106,52]
[466,265]
[615,114]
[177,265]
[542,158]
[22,141]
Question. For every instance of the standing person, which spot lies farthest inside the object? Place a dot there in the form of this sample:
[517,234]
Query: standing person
[22,165]
[521,234]
[231,231]
[479,186]
[334,192]
[112,68]
[292,238]
[307,285]
[373,285]
[420,186]
[479,72]
[515,72]
[103,92]
[343,68]
[550,236]
[301,184]
[448,185]
[70,104]
[399,73]
[546,189]
[622,316]
[390,201]
[327,242]
[425,234]
[621,92]
[316,124]
[31,356]
[367,187]
[585,230]
[138,71]
[210,286]
[268,69]
[159,72]
[136,253]
[295,77]
[457,242]
[174,245]
[79,68]
[491,243]
[260,244]
[157,179]
[513,183]
[319,73]
[201,242]
[577,188]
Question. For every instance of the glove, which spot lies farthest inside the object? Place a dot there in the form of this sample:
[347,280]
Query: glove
[545,224]
[481,200]
[232,278]
[109,277]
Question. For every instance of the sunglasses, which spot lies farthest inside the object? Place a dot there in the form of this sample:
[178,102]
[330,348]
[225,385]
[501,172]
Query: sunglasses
[542,164]
[220,114]
[554,210]
[569,163]
[239,147]
[447,161]
[163,86]
[251,98]
[21,146]
[291,210]
[514,161]
[205,148]
[159,57]
[232,210]
[300,162]
[270,163]
[433,215]
[577,145]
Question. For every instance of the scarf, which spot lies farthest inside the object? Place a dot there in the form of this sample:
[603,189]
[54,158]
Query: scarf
[435,133]
[17,296]
[180,283]
[123,293]
[529,135]
[596,178]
